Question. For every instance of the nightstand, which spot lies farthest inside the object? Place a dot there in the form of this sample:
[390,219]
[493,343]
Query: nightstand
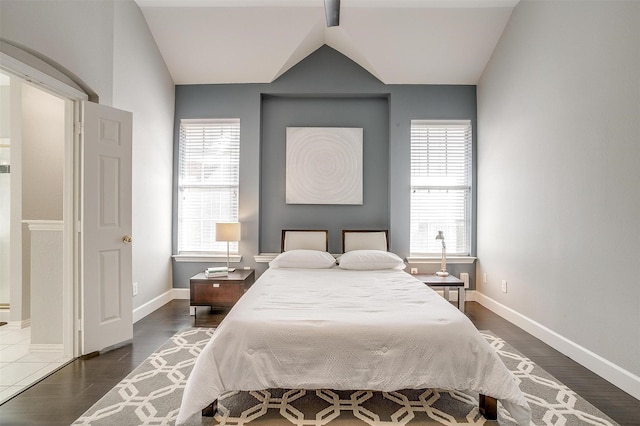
[220,292]
[445,283]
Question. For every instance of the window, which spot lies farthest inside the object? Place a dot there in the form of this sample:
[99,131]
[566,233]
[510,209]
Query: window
[440,186]
[208,176]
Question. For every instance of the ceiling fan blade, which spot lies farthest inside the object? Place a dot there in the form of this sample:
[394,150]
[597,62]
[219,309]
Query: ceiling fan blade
[332,12]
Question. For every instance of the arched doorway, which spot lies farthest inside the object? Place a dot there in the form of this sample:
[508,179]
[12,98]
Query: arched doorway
[37,338]
[69,308]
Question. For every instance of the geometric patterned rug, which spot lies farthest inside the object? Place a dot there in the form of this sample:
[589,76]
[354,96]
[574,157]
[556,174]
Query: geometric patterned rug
[151,395]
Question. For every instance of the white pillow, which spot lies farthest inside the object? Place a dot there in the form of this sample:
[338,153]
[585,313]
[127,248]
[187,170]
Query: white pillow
[366,260]
[311,259]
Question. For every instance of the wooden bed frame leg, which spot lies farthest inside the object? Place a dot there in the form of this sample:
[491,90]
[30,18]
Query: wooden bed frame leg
[488,407]
[210,410]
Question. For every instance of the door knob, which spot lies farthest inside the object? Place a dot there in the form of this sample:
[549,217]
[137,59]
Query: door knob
[127,239]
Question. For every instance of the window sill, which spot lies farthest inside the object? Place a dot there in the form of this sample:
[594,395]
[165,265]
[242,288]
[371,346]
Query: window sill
[233,258]
[451,260]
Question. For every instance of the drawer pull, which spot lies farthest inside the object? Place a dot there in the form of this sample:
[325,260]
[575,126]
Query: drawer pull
[216,285]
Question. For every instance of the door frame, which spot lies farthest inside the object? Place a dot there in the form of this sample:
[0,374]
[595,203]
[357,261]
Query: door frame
[72,291]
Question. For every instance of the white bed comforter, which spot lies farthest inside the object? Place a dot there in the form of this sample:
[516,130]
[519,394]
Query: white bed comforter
[347,330]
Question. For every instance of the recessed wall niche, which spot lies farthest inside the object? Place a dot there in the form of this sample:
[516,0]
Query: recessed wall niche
[371,114]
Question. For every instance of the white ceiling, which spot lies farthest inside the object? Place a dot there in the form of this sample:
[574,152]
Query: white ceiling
[256,41]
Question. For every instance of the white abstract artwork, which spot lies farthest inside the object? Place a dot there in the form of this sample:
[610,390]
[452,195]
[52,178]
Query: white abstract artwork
[324,165]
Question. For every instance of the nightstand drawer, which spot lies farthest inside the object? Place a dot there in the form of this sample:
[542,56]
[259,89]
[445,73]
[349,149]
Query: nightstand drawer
[216,293]
[221,292]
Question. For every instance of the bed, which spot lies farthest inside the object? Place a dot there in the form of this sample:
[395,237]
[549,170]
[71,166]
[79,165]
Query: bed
[364,324]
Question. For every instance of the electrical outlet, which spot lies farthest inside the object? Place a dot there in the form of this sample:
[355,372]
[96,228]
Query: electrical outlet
[465,277]
[135,289]
[504,286]
[484,278]
[414,271]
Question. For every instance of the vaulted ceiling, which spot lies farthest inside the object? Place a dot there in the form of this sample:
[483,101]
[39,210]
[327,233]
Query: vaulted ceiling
[256,41]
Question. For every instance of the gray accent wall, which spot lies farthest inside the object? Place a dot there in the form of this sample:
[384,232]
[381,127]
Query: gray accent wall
[369,113]
[324,89]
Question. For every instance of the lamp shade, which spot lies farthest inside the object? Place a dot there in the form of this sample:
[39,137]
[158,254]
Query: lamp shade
[228,231]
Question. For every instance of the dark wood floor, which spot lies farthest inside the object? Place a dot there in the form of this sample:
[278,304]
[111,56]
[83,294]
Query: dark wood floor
[65,395]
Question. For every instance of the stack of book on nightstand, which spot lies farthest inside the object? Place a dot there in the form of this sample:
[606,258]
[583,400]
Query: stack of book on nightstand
[219,271]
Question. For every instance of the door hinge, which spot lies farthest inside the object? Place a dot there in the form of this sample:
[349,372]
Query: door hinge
[78,127]
[79,324]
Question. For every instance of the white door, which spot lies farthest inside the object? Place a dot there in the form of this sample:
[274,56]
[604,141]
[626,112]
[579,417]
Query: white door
[105,217]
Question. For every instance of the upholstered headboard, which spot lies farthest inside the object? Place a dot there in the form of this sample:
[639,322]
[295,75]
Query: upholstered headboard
[364,239]
[293,239]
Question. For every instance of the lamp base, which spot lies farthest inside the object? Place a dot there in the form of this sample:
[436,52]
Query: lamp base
[231,269]
[442,274]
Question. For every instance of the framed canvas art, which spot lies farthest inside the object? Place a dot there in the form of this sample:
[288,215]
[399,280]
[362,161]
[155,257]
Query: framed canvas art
[324,165]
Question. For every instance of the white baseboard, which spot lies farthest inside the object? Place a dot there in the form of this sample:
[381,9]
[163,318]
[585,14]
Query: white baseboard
[166,297]
[469,295]
[4,315]
[611,372]
[46,347]
[181,293]
[18,325]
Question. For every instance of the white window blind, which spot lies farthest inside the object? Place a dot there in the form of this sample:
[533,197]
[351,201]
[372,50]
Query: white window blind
[440,186]
[208,181]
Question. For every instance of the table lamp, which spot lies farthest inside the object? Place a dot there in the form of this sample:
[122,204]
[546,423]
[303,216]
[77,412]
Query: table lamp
[443,262]
[228,231]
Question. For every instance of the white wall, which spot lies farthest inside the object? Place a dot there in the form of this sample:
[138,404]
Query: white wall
[76,34]
[108,46]
[142,84]
[43,139]
[46,285]
[558,174]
